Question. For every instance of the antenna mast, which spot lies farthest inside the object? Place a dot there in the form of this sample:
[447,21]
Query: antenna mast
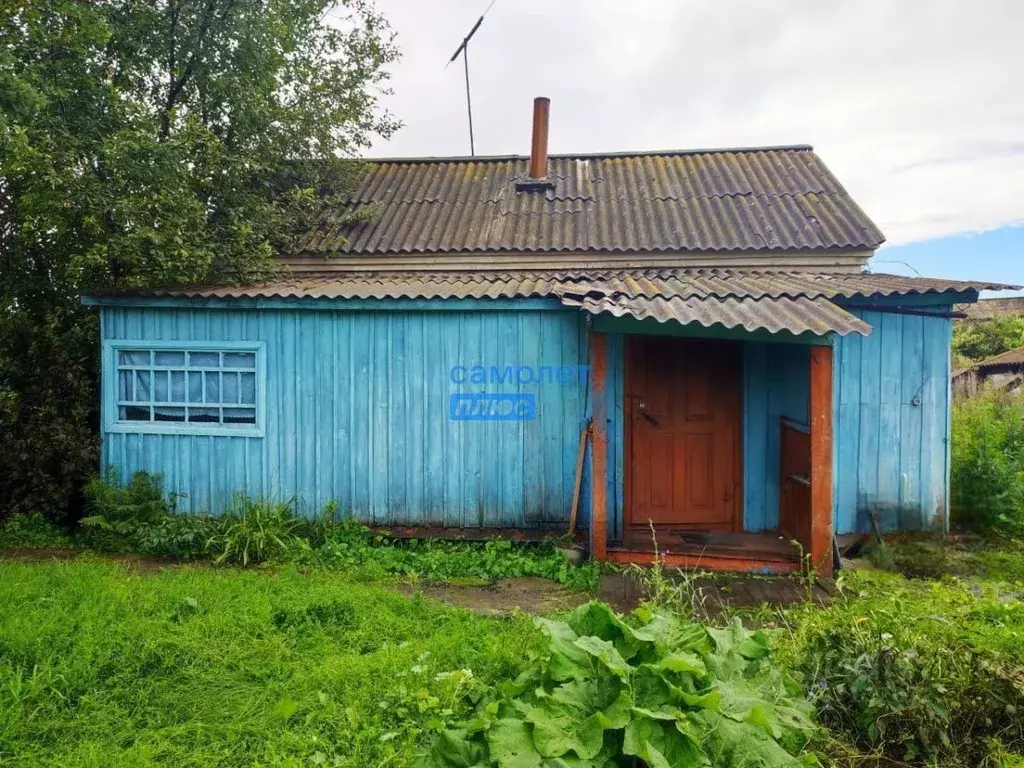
[464,50]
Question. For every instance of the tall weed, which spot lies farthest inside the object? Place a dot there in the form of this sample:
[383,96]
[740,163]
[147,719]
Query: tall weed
[141,500]
[256,531]
[922,672]
[987,470]
[32,531]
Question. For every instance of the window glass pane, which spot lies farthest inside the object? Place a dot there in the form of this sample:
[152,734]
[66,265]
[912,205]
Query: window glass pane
[170,358]
[239,415]
[229,388]
[195,387]
[212,387]
[134,413]
[141,387]
[204,359]
[156,385]
[168,414]
[239,359]
[204,415]
[124,385]
[133,357]
[160,386]
[248,388]
[178,386]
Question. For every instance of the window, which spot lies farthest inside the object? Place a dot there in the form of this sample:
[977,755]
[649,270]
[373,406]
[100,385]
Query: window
[185,388]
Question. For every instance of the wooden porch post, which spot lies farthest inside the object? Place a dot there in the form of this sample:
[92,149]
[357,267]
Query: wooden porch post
[821,460]
[599,448]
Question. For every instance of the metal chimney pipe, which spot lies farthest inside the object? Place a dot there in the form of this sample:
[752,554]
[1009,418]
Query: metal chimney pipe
[539,147]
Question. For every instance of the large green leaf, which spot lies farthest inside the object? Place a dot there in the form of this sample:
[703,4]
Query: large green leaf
[681,661]
[568,661]
[662,745]
[510,743]
[650,689]
[596,619]
[606,653]
[667,634]
[738,640]
[736,701]
[732,744]
[558,729]
[604,694]
[454,750]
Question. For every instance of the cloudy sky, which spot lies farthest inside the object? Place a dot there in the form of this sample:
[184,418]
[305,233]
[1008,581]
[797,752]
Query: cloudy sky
[917,105]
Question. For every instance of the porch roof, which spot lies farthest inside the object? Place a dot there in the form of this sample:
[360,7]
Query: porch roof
[799,315]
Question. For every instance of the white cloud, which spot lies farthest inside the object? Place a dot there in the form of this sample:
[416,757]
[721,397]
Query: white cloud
[916,105]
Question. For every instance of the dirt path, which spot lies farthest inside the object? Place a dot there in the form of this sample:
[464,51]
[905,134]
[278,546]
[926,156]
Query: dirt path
[709,595]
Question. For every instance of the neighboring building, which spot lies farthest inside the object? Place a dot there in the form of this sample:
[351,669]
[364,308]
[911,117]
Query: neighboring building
[434,367]
[1003,372]
[986,309]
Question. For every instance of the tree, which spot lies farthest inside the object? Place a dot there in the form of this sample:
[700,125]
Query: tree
[975,340]
[150,142]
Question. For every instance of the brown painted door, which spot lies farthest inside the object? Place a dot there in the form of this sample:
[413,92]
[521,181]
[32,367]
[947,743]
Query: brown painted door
[683,405]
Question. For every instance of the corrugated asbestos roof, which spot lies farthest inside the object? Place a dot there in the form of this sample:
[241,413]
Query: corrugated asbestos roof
[684,283]
[773,301]
[776,199]
[800,315]
[1011,359]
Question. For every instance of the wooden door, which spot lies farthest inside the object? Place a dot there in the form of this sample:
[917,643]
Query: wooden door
[683,418]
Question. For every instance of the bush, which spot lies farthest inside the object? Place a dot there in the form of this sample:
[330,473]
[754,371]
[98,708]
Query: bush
[987,471]
[142,500]
[31,532]
[48,410]
[256,531]
[921,672]
[665,691]
[182,537]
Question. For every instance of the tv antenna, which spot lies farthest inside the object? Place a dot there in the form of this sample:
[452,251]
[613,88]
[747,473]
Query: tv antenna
[464,50]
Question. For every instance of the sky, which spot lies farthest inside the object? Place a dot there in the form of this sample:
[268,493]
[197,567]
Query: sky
[916,105]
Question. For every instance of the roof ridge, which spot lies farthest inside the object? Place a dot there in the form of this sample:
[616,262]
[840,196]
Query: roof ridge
[591,155]
[572,198]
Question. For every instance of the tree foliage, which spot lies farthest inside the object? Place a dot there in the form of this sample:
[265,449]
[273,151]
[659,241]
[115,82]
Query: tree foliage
[975,340]
[148,143]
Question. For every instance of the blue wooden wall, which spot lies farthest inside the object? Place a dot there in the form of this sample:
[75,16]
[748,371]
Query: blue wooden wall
[892,408]
[357,411]
[776,385]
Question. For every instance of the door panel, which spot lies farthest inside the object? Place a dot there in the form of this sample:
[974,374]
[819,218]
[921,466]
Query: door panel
[683,406]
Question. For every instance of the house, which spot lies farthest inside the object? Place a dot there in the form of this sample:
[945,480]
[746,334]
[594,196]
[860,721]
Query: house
[1003,372]
[986,309]
[702,318]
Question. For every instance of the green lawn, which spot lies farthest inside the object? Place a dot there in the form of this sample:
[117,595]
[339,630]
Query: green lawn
[195,666]
[101,665]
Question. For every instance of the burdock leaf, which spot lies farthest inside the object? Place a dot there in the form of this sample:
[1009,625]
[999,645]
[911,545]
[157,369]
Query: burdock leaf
[510,743]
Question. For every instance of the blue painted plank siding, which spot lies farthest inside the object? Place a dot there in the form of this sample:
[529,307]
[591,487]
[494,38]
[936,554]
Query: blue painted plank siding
[776,385]
[891,412]
[357,411]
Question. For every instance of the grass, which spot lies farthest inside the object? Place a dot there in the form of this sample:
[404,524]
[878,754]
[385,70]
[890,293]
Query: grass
[324,663]
[194,666]
[970,558]
[923,663]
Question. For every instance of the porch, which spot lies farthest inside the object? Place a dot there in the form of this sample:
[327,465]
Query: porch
[769,552]
[711,449]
